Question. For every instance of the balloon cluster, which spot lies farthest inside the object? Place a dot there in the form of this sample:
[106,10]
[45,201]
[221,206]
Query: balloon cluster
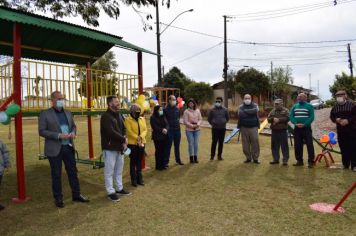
[143,103]
[11,110]
[180,102]
[328,138]
[154,101]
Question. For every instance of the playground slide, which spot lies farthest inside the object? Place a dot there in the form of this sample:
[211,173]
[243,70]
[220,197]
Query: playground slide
[263,125]
[231,135]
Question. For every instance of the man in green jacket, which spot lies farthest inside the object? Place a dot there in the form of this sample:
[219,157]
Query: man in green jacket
[302,115]
[279,118]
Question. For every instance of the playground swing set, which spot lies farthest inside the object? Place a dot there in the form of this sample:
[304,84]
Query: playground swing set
[29,83]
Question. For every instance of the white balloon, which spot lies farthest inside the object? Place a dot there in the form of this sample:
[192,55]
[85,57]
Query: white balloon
[183,102]
[3,117]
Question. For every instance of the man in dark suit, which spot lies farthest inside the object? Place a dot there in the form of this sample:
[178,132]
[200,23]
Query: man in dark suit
[57,126]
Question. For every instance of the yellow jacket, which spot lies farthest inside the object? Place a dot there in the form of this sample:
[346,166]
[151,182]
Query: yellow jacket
[132,129]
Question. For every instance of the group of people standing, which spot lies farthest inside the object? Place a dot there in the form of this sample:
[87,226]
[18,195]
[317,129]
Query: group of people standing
[127,136]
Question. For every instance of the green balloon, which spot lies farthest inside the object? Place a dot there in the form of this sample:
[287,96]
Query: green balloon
[12,109]
[8,121]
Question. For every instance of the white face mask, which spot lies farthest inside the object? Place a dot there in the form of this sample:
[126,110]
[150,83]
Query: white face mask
[340,100]
[160,113]
[247,101]
[173,103]
[60,103]
[218,104]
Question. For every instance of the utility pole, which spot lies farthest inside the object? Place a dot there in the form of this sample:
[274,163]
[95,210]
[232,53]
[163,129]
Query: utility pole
[159,67]
[350,60]
[272,95]
[225,65]
[318,90]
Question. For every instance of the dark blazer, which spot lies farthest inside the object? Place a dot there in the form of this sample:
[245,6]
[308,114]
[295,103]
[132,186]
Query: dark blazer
[157,125]
[49,128]
[112,130]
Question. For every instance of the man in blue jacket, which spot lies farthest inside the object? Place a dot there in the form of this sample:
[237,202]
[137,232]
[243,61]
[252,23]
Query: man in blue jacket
[171,113]
[302,116]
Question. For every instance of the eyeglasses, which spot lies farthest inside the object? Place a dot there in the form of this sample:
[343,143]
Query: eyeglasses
[218,101]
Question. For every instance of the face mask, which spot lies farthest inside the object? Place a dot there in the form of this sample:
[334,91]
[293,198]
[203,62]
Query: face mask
[301,102]
[160,113]
[247,101]
[340,100]
[218,104]
[173,103]
[60,103]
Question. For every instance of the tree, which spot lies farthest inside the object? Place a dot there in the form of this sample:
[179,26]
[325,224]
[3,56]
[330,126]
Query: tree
[200,92]
[281,78]
[176,79]
[344,82]
[104,81]
[88,10]
[251,81]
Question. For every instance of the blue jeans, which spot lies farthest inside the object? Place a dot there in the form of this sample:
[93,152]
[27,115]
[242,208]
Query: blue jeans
[193,141]
[114,164]
[174,135]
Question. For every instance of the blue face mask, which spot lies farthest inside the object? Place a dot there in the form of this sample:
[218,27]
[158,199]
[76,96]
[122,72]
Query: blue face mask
[60,103]
[160,113]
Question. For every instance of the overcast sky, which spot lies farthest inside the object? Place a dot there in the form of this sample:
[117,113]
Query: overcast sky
[328,23]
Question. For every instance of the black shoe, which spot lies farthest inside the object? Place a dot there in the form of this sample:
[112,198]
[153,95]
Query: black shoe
[191,159]
[180,163]
[141,183]
[247,161]
[80,198]
[59,203]
[285,163]
[134,184]
[211,158]
[113,197]
[220,159]
[256,162]
[310,165]
[274,162]
[298,164]
[123,192]
[1,207]
[196,159]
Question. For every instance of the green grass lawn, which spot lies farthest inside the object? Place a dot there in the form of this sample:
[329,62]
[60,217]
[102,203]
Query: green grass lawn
[209,198]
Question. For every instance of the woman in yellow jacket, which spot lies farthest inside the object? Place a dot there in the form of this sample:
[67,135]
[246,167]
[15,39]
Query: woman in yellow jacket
[136,131]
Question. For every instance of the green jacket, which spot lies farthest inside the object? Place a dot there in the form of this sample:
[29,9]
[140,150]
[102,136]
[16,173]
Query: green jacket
[302,114]
[282,115]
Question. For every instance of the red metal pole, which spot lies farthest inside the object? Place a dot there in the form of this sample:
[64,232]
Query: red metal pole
[21,187]
[90,130]
[140,91]
[345,196]
[7,102]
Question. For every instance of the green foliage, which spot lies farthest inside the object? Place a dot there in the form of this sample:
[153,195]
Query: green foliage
[344,82]
[103,81]
[281,78]
[88,10]
[176,79]
[200,92]
[331,102]
[251,81]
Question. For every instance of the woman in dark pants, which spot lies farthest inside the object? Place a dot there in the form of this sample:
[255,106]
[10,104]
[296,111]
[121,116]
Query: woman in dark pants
[159,127]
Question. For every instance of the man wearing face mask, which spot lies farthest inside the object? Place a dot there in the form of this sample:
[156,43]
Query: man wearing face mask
[249,123]
[136,133]
[171,113]
[278,118]
[218,117]
[113,142]
[302,116]
[344,115]
[57,126]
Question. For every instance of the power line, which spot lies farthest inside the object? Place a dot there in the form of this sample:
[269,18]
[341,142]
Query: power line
[272,44]
[264,15]
[297,64]
[196,54]
[285,59]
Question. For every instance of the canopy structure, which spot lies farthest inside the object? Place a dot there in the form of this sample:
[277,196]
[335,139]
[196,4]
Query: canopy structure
[27,35]
[47,39]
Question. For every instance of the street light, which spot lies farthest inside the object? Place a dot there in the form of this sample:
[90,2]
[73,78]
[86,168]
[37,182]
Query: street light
[159,33]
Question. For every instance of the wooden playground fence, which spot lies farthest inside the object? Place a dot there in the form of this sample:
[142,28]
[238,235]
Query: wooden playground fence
[40,79]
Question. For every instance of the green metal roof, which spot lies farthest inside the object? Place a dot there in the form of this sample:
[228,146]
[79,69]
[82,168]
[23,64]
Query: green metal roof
[52,40]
